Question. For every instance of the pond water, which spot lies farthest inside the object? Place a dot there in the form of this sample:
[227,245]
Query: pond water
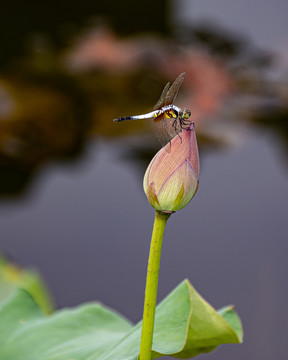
[72,204]
[86,228]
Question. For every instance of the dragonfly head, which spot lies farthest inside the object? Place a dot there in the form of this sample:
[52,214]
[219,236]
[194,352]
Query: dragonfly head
[185,114]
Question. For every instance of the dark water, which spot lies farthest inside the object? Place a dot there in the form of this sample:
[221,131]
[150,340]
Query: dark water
[86,227]
[72,204]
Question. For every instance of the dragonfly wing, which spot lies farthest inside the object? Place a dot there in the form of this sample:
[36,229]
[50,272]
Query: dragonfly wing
[173,91]
[161,130]
[173,126]
[166,130]
[161,102]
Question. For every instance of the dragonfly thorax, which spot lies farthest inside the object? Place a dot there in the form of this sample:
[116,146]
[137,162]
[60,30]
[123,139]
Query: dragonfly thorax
[170,111]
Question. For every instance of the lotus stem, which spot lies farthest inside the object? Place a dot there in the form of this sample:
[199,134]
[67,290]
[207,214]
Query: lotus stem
[152,284]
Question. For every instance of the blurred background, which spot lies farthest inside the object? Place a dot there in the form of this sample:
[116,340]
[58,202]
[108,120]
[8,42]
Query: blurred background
[71,198]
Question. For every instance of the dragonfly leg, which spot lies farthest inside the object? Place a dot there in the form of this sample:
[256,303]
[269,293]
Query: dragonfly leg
[174,124]
[184,123]
[187,126]
[175,128]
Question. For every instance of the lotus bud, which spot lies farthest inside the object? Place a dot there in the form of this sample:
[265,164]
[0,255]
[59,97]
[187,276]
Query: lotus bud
[172,177]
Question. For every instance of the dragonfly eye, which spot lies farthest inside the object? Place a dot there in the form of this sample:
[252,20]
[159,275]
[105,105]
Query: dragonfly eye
[186,114]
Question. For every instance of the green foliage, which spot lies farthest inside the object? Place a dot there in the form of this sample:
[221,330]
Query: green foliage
[12,277]
[185,326]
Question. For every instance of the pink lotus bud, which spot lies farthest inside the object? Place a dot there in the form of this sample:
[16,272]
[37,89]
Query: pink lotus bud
[171,179]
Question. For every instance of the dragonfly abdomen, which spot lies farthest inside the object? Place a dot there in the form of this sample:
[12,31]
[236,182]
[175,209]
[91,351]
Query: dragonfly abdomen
[137,117]
[125,118]
[153,114]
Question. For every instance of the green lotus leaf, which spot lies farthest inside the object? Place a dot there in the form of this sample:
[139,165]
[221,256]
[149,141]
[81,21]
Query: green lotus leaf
[185,326]
[12,276]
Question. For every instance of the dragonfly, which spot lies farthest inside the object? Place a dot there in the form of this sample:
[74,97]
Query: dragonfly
[169,119]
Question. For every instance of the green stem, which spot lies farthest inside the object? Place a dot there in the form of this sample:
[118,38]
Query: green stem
[152,284]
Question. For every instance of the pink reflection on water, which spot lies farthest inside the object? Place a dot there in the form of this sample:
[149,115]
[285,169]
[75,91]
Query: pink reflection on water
[101,49]
[207,83]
